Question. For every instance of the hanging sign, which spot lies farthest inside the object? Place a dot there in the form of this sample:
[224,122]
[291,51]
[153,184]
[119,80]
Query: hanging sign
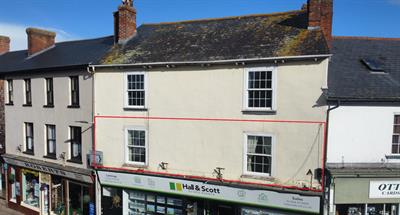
[264,198]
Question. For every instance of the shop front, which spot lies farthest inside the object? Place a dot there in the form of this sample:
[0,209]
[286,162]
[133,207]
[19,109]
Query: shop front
[37,187]
[131,194]
[3,173]
[365,196]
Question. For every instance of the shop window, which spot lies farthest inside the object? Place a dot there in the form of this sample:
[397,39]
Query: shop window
[79,199]
[29,147]
[136,146]
[12,180]
[2,180]
[396,135]
[150,203]
[75,144]
[30,188]
[57,203]
[368,209]
[258,154]
[51,141]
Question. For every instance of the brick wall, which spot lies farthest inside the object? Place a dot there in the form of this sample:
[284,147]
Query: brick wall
[125,23]
[39,40]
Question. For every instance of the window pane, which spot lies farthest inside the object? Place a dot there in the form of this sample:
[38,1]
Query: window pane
[396,129]
[397,119]
[395,148]
[395,139]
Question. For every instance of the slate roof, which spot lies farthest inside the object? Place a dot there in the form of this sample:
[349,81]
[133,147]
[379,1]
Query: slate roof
[242,37]
[350,79]
[63,54]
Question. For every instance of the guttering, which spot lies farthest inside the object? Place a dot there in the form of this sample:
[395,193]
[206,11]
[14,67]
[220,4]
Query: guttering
[218,62]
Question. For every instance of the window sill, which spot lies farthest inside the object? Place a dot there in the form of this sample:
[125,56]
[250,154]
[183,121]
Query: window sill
[135,109]
[73,106]
[29,206]
[28,153]
[393,156]
[27,105]
[137,165]
[53,157]
[258,112]
[75,161]
[9,104]
[257,176]
[48,106]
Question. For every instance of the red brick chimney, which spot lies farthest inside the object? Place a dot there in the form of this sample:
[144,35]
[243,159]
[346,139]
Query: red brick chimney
[124,22]
[4,44]
[320,13]
[39,40]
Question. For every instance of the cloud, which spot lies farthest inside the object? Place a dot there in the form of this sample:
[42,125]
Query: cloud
[395,2]
[17,34]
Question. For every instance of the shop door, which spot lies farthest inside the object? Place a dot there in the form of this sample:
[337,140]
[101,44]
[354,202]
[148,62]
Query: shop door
[225,210]
[111,201]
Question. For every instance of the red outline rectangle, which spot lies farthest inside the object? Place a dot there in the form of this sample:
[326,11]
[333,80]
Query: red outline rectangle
[95,166]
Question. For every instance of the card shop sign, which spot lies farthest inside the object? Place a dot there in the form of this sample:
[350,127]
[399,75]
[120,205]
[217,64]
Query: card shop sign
[384,189]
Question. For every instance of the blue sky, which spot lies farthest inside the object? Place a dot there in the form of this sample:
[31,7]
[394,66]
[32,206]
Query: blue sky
[79,19]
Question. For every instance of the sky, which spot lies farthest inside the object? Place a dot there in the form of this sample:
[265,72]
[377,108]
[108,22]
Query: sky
[82,19]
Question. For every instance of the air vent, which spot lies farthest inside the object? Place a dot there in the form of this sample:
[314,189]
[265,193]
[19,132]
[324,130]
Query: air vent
[373,65]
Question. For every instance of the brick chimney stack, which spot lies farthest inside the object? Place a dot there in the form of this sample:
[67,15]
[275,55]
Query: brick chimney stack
[320,13]
[4,44]
[124,22]
[39,40]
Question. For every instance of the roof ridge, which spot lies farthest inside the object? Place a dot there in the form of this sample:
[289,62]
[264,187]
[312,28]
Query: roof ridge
[81,40]
[367,38]
[225,18]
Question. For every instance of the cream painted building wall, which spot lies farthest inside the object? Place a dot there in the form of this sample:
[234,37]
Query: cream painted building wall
[197,147]
[60,115]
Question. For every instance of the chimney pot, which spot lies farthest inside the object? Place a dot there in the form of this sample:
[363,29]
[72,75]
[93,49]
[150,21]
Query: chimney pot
[4,44]
[39,40]
[124,22]
[320,13]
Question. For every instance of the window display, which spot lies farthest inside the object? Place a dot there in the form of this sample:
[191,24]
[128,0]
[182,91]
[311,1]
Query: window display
[57,196]
[12,181]
[369,209]
[148,203]
[79,199]
[30,188]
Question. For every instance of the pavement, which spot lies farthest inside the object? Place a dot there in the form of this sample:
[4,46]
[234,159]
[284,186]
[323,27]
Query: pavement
[7,211]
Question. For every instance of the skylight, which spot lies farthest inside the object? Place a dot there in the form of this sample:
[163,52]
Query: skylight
[373,65]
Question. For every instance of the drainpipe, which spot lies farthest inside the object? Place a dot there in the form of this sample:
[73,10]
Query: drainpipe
[326,153]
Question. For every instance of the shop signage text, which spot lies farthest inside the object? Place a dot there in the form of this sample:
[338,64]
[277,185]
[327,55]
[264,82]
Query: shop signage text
[50,170]
[263,198]
[384,189]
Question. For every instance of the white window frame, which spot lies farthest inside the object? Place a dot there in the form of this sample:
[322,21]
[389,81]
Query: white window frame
[30,91]
[273,154]
[126,96]
[46,126]
[146,146]
[246,88]
[391,137]
[8,99]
